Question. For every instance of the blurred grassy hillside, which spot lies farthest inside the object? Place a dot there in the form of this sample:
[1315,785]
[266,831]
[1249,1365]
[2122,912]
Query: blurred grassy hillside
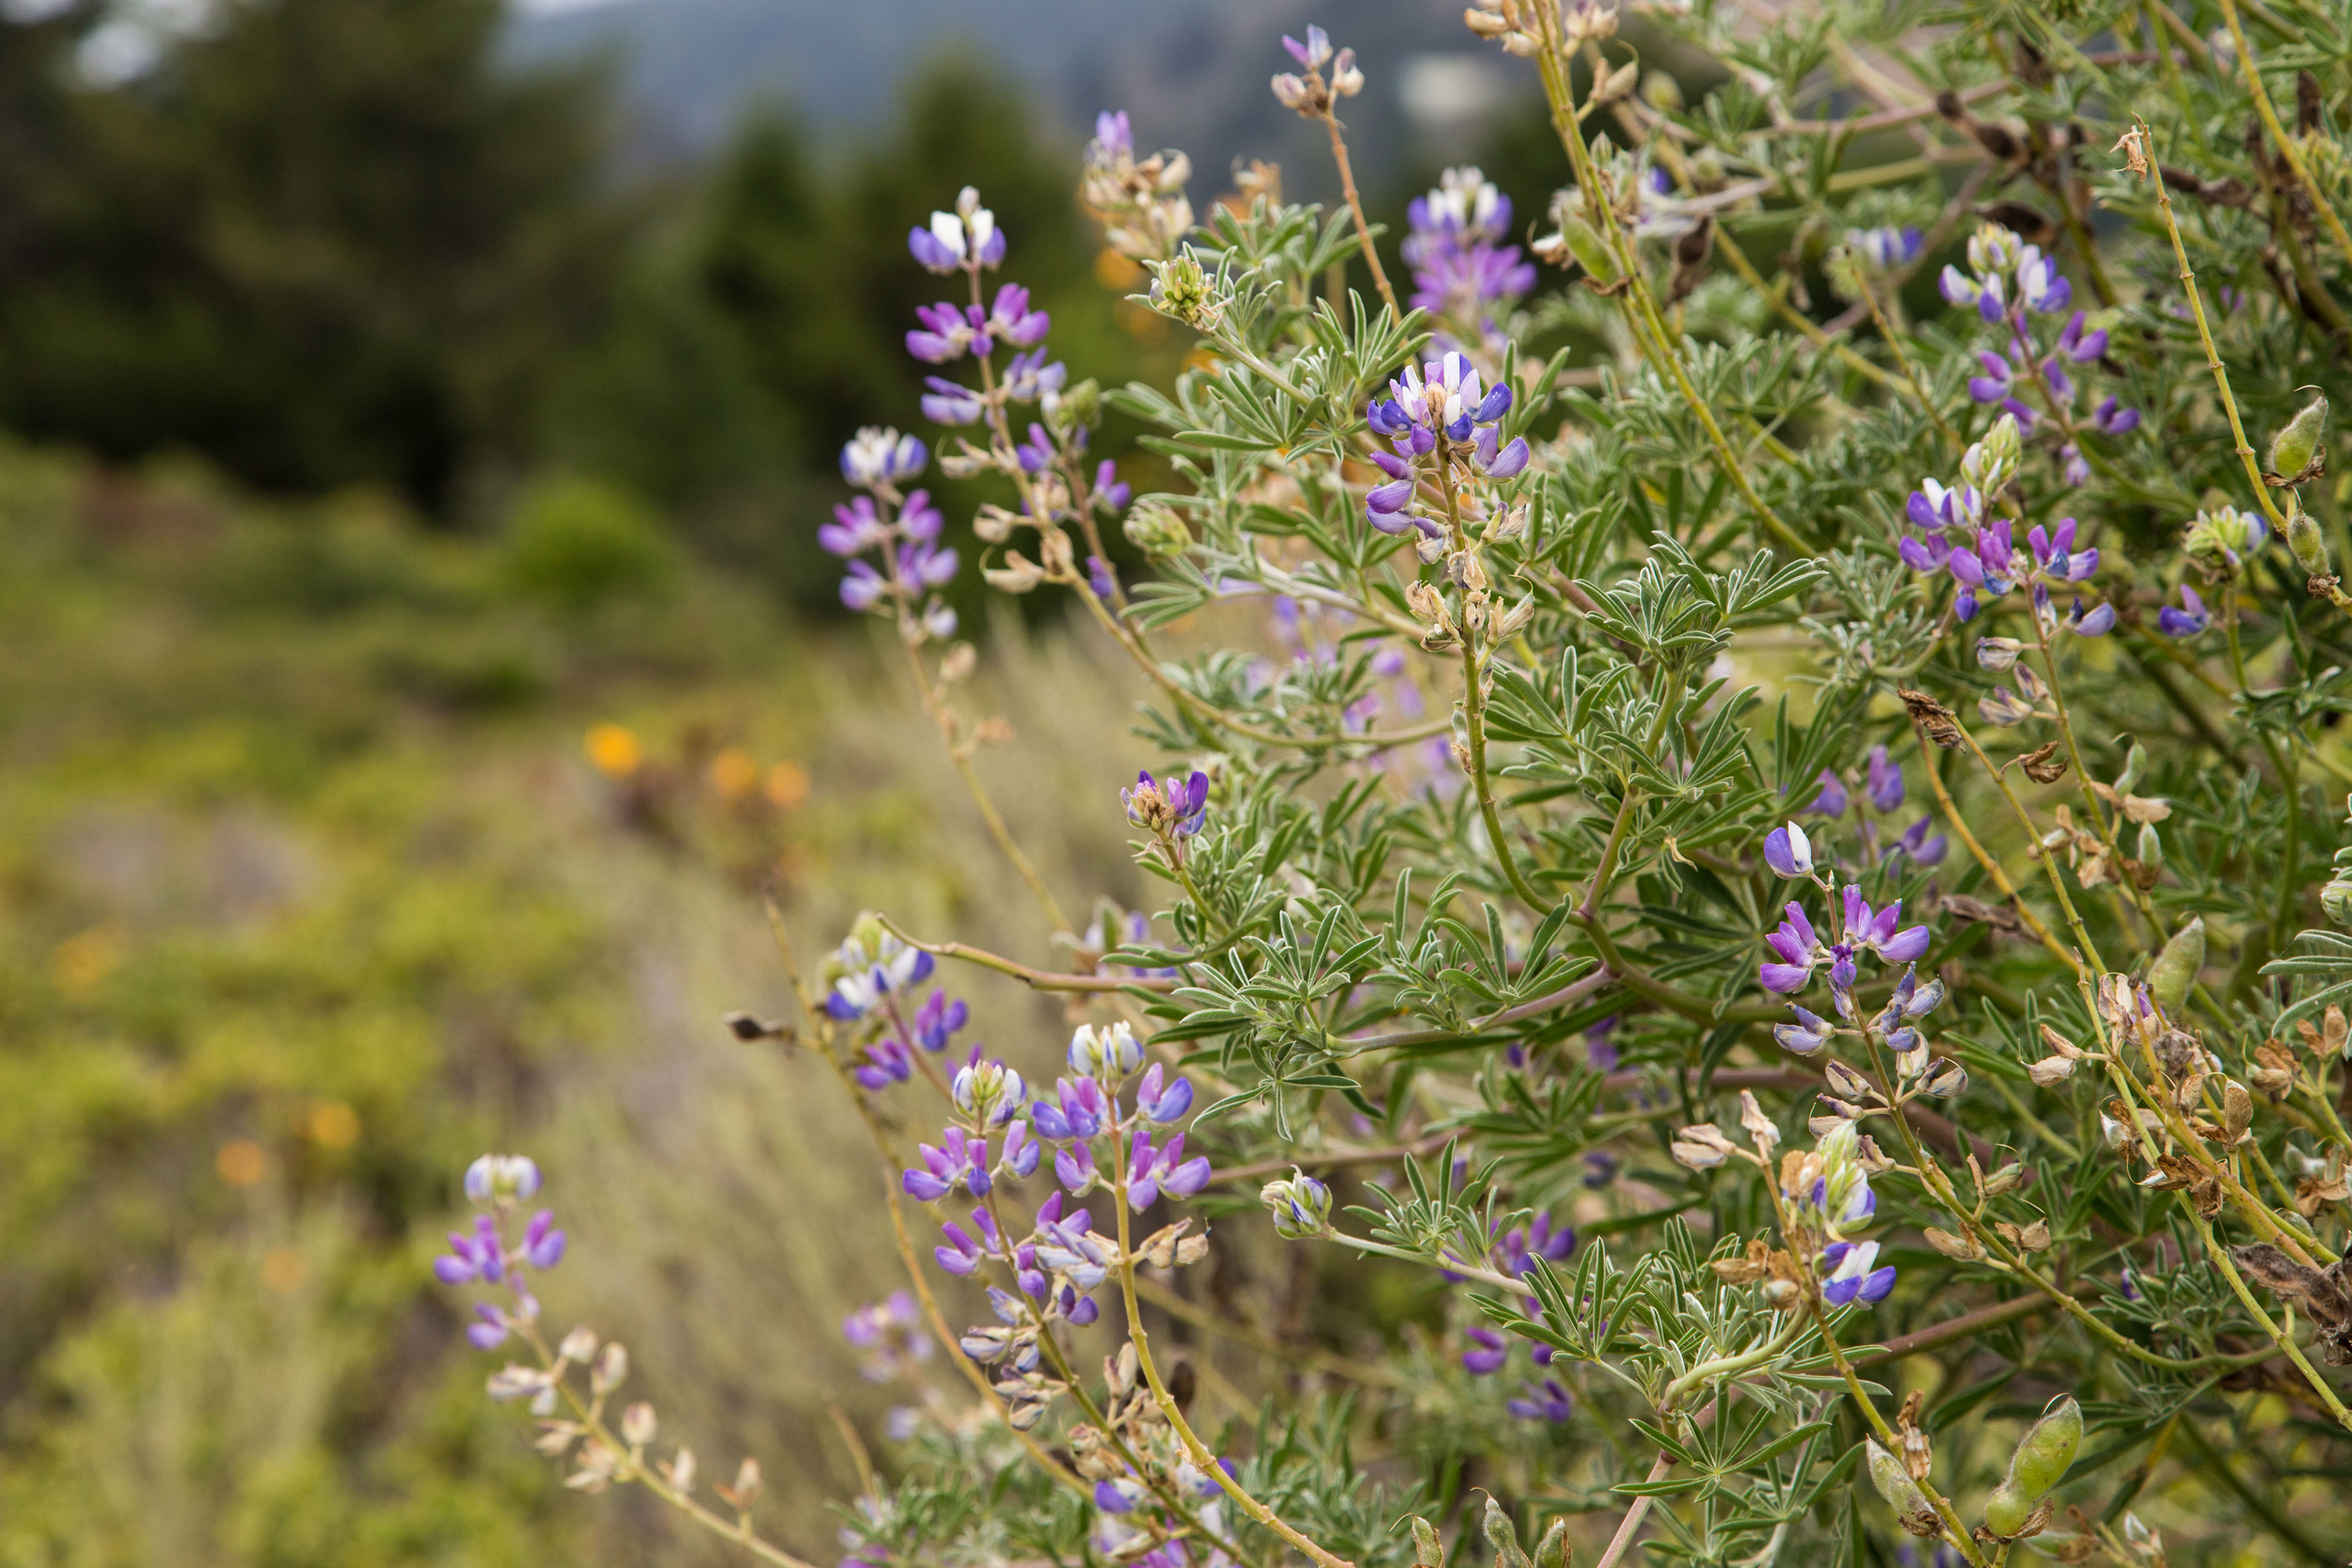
[312,892]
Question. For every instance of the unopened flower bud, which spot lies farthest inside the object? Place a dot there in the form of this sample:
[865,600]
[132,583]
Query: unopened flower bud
[501,1179]
[2296,446]
[1154,528]
[2175,969]
[579,1345]
[638,1424]
[1301,1206]
[1181,289]
[1991,463]
[611,1370]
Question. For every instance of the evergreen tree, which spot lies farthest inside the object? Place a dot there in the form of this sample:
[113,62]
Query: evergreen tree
[333,242]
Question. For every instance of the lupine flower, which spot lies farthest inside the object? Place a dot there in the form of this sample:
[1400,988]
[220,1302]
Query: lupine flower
[1808,1034]
[966,238]
[963,1252]
[949,332]
[1885,779]
[892,1331]
[1787,852]
[2112,418]
[1029,378]
[1010,319]
[2054,553]
[1601,1168]
[1069,1248]
[1518,1248]
[2078,345]
[1852,1278]
[1884,249]
[1109,493]
[959,1161]
[1600,1046]
[1491,1351]
[1920,846]
[1078,1112]
[1547,1401]
[887,1062]
[480,1257]
[1933,507]
[1176,811]
[938,1020]
[2186,619]
[874,965]
[856,527]
[1800,949]
[1152,1172]
[2096,622]
[949,402]
[1443,397]
[1832,801]
[1460,265]
[878,456]
[1162,1104]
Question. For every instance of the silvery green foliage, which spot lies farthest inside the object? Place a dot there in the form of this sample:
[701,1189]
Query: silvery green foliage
[1811,853]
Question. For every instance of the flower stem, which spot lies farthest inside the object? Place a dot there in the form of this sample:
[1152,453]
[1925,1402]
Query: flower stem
[1356,210]
[1140,1337]
[2286,144]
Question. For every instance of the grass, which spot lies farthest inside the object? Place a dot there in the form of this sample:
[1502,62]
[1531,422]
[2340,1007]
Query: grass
[311,894]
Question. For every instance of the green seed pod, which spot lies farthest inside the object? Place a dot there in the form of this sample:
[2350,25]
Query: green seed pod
[1553,1550]
[2310,546]
[2175,969]
[1912,1509]
[2151,847]
[1154,528]
[1428,1547]
[2046,1450]
[2007,1510]
[2293,449]
[2134,765]
[1584,244]
[2336,899]
[1504,1537]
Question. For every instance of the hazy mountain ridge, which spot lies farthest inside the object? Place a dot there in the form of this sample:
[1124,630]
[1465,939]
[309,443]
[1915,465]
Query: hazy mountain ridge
[1192,73]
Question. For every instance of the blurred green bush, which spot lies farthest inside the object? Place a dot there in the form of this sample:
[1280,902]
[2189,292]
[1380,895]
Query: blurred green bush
[311,893]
